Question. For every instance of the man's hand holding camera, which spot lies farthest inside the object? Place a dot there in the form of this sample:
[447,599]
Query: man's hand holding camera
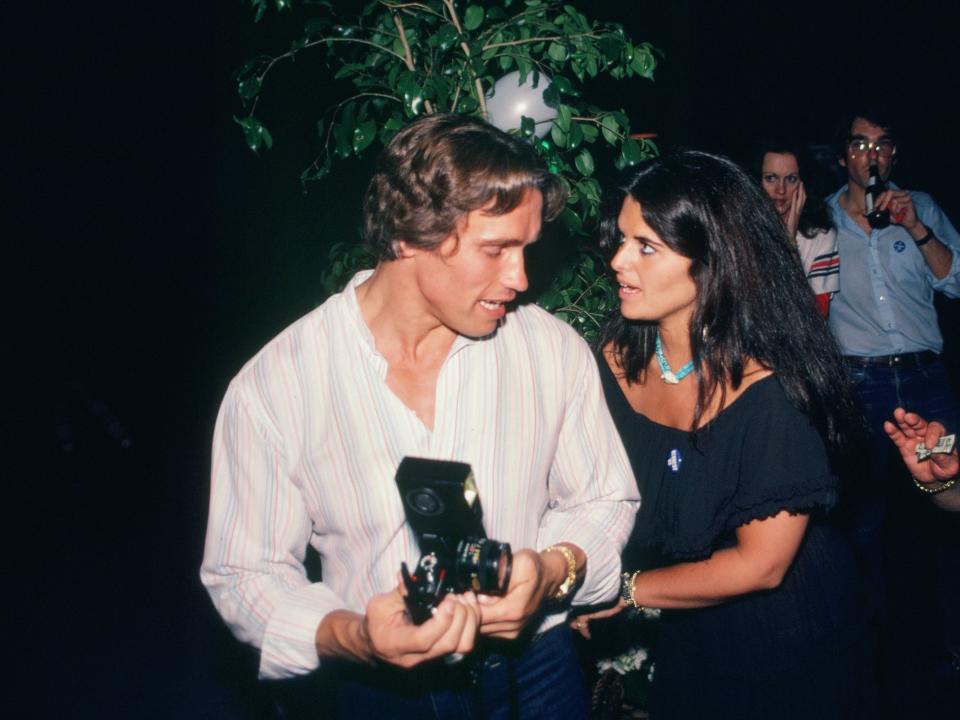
[387,634]
[536,579]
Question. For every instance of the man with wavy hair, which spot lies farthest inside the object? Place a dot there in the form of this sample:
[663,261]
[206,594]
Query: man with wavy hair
[426,355]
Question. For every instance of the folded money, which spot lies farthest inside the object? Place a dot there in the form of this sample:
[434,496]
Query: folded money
[944,445]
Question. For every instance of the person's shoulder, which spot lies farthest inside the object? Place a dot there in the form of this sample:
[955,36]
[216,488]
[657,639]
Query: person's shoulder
[532,319]
[832,200]
[287,346]
[544,338]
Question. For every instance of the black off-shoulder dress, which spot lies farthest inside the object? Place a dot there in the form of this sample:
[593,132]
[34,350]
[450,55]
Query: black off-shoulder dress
[801,650]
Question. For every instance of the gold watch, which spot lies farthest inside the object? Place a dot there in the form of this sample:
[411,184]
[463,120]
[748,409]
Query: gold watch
[567,585]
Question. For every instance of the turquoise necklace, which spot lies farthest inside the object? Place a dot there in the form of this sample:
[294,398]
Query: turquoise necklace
[666,374]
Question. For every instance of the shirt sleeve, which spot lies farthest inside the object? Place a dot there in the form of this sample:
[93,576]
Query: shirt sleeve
[257,534]
[594,496]
[936,220]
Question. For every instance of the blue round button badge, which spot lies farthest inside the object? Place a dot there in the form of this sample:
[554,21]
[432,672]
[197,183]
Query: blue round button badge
[899,246]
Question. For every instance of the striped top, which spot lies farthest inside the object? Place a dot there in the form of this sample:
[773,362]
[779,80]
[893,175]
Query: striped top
[821,261]
[309,437]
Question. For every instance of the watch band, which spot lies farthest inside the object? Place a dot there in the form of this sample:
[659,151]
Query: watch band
[925,239]
[567,585]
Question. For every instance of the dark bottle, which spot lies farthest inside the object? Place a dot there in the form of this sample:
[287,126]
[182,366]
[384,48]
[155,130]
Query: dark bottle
[878,219]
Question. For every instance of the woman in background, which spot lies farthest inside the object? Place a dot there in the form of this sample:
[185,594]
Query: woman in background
[727,418]
[805,218]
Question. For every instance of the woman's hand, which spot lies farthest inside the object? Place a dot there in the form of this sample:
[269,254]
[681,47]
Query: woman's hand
[792,218]
[581,623]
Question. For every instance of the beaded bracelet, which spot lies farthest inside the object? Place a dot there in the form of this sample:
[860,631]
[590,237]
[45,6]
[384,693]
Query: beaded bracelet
[924,487]
[626,592]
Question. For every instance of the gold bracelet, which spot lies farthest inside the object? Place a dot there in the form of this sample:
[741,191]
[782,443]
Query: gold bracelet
[626,592]
[567,585]
[925,487]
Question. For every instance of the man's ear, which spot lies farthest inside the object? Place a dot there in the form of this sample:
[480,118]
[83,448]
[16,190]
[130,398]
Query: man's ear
[842,162]
[402,250]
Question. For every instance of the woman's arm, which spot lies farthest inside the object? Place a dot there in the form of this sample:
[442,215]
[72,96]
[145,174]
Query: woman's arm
[759,561]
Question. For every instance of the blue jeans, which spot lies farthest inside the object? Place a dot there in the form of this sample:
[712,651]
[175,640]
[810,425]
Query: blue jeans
[540,678]
[908,548]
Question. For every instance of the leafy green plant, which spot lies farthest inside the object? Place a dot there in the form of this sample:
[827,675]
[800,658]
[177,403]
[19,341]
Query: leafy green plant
[404,59]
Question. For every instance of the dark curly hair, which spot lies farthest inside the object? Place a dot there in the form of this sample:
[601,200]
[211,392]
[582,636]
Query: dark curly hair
[439,168]
[753,301]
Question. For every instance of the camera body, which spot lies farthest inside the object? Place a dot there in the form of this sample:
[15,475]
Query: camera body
[442,506]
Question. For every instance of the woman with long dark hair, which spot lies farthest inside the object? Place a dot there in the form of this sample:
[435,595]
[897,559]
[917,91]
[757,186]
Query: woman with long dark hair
[782,166]
[729,394]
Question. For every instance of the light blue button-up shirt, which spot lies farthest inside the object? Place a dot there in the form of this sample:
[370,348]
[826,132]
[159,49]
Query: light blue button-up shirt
[885,303]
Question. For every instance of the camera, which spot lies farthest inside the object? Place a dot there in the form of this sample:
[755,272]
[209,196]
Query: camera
[441,504]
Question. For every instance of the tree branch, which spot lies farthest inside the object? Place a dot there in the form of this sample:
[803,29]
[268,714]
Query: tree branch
[413,5]
[409,55]
[548,38]
[454,18]
[318,41]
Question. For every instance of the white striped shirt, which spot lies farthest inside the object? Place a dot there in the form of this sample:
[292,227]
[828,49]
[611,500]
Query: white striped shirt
[309,438]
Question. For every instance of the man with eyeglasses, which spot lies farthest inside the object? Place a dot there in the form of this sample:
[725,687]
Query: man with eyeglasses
[886,325]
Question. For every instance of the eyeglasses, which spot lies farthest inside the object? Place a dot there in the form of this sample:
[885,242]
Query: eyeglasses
[885,147]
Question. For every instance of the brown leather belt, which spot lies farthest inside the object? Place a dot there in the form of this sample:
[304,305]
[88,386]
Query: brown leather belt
[904,360]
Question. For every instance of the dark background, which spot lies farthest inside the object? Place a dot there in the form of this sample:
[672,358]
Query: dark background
[153,254]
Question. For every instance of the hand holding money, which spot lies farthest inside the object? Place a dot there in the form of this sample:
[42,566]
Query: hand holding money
[927,452]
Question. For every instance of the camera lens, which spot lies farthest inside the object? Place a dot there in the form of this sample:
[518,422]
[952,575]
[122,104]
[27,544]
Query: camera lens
[484,565]
[425,501]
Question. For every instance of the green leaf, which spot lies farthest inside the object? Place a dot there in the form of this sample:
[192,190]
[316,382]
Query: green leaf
[558,136]
[610,129]
[631,152]
[473,18]
[316,172]
[343,139]
[265,136]
[557,52]
[550,300]
[590,132]
[254,133]
[248,88]
[527,126]
[564,117]
[576,135]
[551,96]
[363,135]
[592,67]
[564,85]
[505,62]
[644,63]
[446,37]
[411,91]
[590,189]
[611,46]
